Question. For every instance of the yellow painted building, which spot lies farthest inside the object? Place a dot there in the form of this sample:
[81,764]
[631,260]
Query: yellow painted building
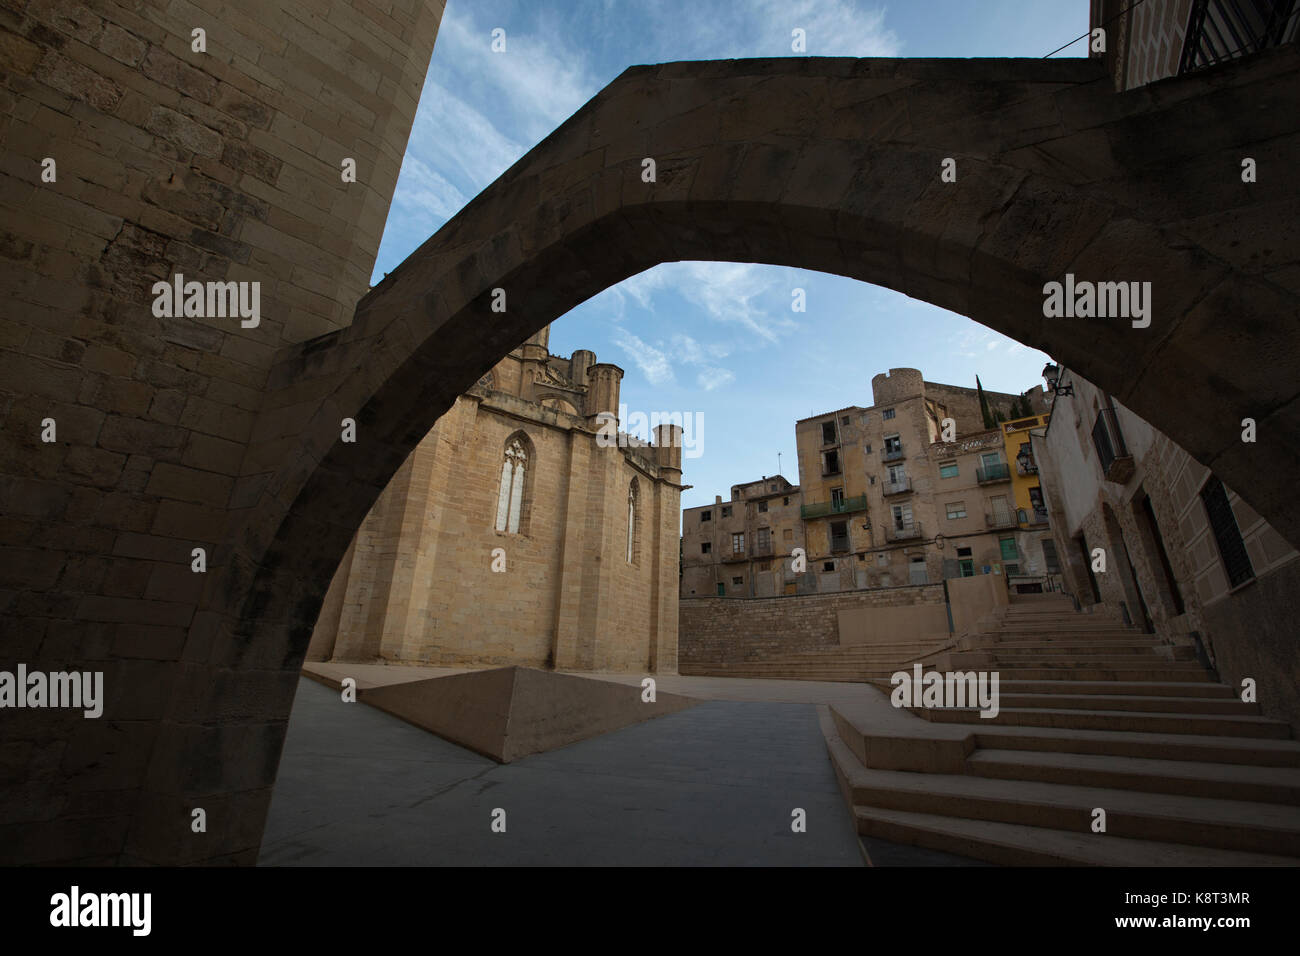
[1031,509]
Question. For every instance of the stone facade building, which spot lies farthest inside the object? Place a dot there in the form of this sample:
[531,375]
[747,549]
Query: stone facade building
[881,502]
[1185,556]
[517,534]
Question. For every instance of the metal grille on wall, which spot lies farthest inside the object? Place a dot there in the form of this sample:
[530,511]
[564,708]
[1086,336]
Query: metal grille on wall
[1219,30]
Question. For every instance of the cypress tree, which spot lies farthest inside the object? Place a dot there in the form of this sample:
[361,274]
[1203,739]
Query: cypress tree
[984,404]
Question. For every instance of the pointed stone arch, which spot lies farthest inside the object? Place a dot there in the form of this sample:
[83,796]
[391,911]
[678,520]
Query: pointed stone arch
[825,164]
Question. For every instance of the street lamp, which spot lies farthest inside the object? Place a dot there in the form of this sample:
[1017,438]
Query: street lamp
[1052,374]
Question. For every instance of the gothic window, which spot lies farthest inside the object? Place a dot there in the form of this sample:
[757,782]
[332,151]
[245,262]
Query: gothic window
[510,500]
[631,521]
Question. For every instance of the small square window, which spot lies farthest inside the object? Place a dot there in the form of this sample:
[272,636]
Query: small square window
[948,469]
[844,420]
[762,507]
[887,414]
[706,547]
[726,511]
[785,501]
[706,515]
[737,581]
[956,509]
[828,566]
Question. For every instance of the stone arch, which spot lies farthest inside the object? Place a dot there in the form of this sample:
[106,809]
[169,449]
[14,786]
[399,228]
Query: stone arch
[826,164]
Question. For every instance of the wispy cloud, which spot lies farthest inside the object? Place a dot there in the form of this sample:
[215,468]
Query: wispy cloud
[653,362]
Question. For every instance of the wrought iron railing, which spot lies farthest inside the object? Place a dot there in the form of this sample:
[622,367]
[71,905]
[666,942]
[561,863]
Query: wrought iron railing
[896,487]
[820,509]
[900,531]
[991,473]
[1221,30]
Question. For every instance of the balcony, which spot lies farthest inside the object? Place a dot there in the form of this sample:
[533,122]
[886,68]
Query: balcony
[904,532]
[1000,519]
[839,544]
[844,506]
[991,474]
[734,557]
[892,454]
[1112,453]
[1026,466]
[896,487]
[761,550]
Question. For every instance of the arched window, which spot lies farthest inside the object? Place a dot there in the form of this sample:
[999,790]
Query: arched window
[631,521]
[510,500]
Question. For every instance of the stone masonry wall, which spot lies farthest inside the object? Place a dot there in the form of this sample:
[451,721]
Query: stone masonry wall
[715,630]
[221,165]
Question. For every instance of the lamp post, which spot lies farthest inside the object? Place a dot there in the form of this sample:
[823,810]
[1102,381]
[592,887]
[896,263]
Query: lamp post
[1052,375]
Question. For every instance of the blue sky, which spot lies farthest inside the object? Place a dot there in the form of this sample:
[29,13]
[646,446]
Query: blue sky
[716,340]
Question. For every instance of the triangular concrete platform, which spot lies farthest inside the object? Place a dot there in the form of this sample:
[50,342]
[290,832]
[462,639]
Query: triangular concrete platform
[510,712]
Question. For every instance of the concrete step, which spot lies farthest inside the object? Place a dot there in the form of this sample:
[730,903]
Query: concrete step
[1198,689]
[1048,651]
[1240,825]
[1166,671]
[1213,725]
[1014,845]
[1193,779]
[1241,751]
[1161,704]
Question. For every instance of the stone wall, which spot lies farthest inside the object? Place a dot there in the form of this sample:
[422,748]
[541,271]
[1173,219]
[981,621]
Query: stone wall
[716,630]
[221,165]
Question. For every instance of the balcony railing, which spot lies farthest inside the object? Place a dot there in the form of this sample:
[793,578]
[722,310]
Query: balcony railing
[1220,30]
[993,473]
[892,454]
[1026,466]
[1112,453]
[1000,519]
[896,487]
[761,550]
[1032,516]
[820,509]
[903,532]
[839,544]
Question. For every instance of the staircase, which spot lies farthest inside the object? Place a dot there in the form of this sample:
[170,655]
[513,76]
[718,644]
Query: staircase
[1093,714]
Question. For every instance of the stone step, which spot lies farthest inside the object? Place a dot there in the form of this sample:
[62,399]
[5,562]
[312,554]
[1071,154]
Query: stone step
[1014,845]
[1193,779]
[1127,702]
[1049,651]
[1242,751]
[1213,725]
[1200,689]
[1240,825]
[1170,671]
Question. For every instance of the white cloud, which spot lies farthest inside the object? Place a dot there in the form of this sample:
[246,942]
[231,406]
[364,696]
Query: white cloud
[711,378]
[421,189]
[653,363]
[539,80]
[834,27]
